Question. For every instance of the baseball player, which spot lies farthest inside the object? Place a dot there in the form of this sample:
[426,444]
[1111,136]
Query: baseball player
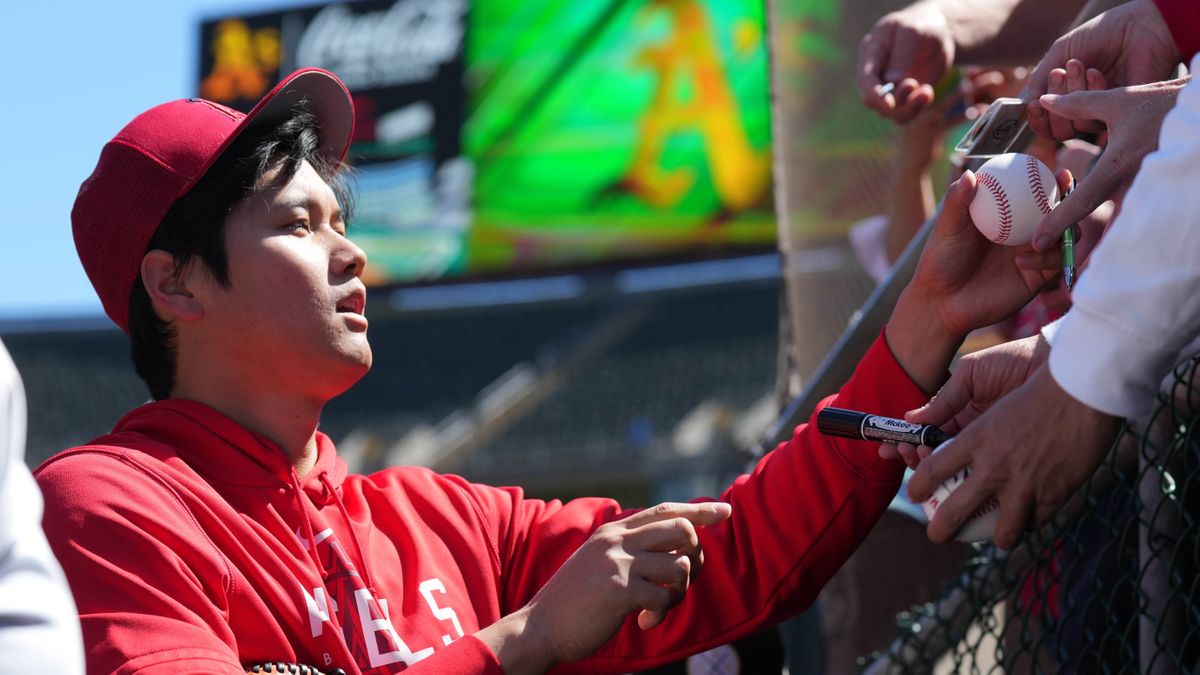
[215,529]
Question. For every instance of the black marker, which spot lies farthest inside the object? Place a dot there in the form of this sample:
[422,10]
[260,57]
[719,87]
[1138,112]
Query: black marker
[864,427]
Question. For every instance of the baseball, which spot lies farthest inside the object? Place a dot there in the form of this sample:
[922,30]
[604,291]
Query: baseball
[1014,192]
[981,525]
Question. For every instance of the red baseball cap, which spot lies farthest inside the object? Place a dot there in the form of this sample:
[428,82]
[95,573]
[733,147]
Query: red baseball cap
[161,155]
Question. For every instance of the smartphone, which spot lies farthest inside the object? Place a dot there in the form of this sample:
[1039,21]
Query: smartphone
[1001,128]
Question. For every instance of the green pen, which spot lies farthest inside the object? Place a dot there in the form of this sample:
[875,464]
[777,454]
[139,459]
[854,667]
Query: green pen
[1068,249]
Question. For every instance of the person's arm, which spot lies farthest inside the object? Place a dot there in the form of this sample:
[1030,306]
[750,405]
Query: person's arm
[1134,309]
[1137,305]
[979,380]
[808,504]
[795,519]
[39,630]
[912,201]
[912,47]
[148,586]
[1006,33]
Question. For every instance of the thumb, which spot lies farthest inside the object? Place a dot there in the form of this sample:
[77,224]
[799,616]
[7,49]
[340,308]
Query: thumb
[649,618]
[953,397]
[955,216]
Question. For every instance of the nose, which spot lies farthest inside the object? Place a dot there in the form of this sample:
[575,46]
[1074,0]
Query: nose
[348,259]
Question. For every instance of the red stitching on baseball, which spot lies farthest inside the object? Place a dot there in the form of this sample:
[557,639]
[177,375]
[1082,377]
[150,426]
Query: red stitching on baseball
[1005,216]
[990,505]
[1034,174]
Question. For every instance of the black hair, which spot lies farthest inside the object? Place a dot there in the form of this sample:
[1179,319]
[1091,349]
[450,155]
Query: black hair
[194,227]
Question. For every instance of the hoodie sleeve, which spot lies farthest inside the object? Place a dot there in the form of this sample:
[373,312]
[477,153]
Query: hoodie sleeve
[135,617]
[796,518]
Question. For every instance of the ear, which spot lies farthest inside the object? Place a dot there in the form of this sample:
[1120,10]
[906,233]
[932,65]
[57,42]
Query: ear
[168,288]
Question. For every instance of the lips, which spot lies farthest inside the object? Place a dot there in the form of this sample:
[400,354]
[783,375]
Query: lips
[354,303]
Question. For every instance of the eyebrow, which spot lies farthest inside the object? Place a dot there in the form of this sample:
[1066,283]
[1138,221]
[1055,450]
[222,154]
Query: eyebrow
[309,204]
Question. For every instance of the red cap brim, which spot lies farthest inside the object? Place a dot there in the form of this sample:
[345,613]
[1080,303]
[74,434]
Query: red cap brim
[322,93]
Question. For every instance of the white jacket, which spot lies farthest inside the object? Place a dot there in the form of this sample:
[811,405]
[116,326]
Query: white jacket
[39,627]
[1138,305]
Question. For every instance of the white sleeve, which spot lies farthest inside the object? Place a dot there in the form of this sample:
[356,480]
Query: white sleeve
[1050,331]
[1138,303]
[39,626]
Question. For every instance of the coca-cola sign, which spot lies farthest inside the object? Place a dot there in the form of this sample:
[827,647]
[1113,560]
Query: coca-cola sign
[403,44]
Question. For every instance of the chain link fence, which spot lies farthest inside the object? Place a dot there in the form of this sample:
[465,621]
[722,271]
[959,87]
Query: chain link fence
[1110,586]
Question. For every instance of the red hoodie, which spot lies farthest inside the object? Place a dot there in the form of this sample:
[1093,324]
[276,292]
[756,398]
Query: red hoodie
[193,547]
[1183,20]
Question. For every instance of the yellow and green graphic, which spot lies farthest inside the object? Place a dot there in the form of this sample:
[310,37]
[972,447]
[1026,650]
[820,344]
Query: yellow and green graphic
[616,130]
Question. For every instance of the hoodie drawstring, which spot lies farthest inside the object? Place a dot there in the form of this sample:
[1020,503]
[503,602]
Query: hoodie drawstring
[337,498]
[308,528]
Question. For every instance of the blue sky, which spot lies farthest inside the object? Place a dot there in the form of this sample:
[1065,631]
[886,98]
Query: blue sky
[76,73]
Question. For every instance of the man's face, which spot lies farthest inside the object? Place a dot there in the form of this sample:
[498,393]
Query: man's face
[292,314]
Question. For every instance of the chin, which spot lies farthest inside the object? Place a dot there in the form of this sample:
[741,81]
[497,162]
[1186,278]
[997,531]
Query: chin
[345,374]
[356,359]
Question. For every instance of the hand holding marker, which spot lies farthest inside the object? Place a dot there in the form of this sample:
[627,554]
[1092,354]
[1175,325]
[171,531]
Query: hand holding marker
[865,427]
[862,426]
[1068,249]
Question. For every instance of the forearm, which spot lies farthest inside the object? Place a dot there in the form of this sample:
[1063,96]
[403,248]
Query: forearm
[912,201]
[518,647]
[922,345]
[1006,32]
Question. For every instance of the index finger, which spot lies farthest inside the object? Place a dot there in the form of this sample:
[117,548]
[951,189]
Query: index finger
[1096,188]
[698,513]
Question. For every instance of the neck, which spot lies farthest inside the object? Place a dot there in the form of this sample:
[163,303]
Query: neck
[289,420]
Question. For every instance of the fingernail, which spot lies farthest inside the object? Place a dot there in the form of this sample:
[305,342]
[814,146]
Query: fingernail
[1048,99]
[1043,243]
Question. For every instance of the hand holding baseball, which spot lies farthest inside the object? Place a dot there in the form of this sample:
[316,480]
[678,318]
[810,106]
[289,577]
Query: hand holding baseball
[1030,452]
[963,280]
[1016,191]
[980,524]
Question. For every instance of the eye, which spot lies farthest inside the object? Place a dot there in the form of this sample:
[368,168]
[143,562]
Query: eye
[299,227]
